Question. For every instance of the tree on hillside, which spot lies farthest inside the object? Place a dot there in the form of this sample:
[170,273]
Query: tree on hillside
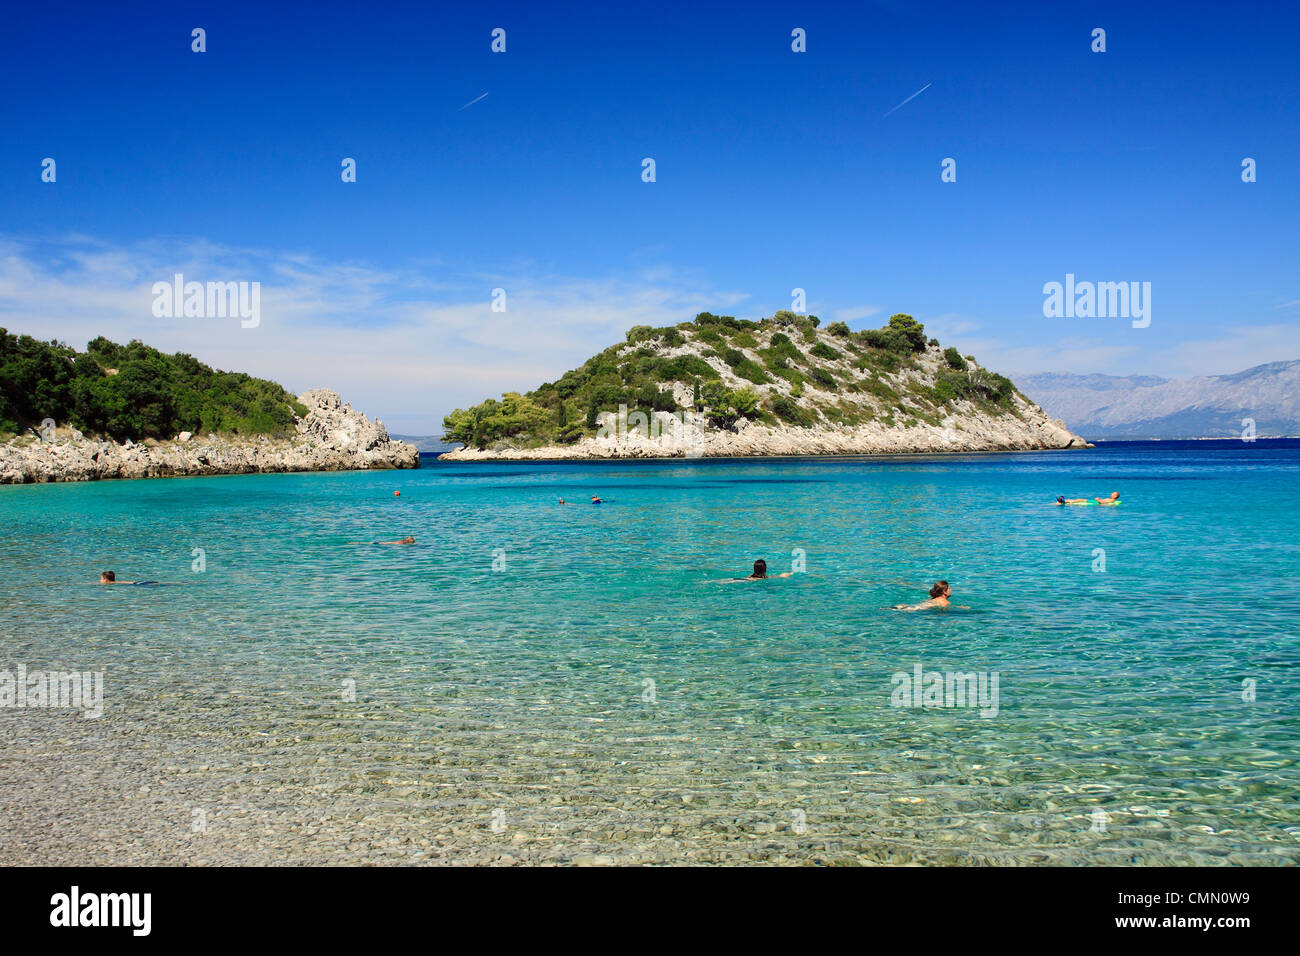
[910,329]
[132,391]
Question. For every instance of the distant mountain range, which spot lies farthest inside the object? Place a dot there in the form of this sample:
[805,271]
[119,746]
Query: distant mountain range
[1144,406]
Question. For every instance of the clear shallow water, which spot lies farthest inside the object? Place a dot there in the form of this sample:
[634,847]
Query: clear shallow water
[507,715]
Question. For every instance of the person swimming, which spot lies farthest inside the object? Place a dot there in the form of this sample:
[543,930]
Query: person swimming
[407,540]
[1112,500]
[760,573]
[397,494]
[108,577]
[940,592]
[595,499]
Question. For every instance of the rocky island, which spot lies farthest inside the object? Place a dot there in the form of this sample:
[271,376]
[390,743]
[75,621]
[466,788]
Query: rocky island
[721,386]
[132,412]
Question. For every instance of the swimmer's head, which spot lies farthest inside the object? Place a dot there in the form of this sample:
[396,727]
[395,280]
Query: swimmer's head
[1114,495]
[760,568]
[408,540]
[107,577]
[397,494]
[940,589]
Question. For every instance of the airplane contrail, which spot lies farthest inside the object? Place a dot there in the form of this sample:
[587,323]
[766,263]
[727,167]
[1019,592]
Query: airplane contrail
[471,102]
[905,102]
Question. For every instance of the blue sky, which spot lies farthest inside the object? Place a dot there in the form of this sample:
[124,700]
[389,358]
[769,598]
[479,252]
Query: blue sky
[775,170]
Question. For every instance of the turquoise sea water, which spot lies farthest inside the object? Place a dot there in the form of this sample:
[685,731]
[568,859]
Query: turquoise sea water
[538,682]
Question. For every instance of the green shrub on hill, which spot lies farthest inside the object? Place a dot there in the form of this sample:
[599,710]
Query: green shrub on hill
[133,391]
[751,370]
[725,406]
[792,375]
[726,322]
[781,352]
[711,335]
[791,412]
[515,415]
[903,334]
[975,385]
[823,378]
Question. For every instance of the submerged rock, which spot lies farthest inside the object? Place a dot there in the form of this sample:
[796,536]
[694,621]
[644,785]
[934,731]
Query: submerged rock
[332,436]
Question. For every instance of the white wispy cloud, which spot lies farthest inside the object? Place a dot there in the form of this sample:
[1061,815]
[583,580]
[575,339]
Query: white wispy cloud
[856,313]
[1132,353]
[949,326]
[407,345]
[1239,347]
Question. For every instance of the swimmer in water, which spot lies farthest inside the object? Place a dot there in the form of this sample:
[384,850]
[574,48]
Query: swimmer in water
[1062,500]
[939,595]
[108,577]
[595,499]
[1112,500]
[407,540]
[397,494]
[760,573]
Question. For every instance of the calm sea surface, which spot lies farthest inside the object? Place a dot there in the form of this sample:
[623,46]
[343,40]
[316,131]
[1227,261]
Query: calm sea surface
[534,682]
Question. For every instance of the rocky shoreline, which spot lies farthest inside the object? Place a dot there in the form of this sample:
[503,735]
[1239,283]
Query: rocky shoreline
[969,430]
[332,436]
